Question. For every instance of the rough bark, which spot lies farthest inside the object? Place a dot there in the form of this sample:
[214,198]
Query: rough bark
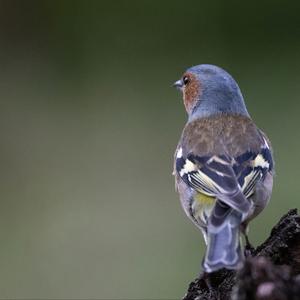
[272,271]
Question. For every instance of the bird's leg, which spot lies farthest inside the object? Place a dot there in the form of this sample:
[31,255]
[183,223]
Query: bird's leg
[249,249]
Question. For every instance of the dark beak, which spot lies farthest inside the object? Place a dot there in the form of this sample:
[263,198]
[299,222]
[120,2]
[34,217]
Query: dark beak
[178,84]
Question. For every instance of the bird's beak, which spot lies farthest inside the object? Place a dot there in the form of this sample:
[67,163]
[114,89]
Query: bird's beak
[178,84]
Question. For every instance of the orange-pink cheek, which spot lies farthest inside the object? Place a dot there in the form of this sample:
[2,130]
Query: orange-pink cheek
[191,94]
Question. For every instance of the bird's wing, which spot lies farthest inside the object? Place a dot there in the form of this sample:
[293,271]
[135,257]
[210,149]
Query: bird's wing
[213,176]
[252,166]
[230,179]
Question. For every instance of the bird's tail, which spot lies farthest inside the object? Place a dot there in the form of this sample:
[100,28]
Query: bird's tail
[223,240]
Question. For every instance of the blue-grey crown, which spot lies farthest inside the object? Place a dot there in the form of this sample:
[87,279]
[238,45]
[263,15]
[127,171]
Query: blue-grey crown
[219,93]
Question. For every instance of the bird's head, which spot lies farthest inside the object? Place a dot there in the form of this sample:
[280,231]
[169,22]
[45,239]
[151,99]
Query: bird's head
[209,90]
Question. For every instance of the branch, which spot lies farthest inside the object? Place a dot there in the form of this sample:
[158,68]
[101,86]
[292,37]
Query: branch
[272,271]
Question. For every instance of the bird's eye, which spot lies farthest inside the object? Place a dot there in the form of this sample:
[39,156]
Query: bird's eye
[185,80]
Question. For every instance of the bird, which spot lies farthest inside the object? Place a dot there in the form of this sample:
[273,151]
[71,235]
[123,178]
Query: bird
[223,165]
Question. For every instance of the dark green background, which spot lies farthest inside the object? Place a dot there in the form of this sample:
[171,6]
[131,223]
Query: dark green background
[89,123]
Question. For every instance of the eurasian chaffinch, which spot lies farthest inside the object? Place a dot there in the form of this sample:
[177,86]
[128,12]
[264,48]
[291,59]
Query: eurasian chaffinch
[223,164]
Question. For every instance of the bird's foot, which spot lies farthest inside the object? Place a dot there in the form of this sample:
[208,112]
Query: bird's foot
[249,249]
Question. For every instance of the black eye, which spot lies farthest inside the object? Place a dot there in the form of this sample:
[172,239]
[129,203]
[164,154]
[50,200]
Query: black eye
[185,80]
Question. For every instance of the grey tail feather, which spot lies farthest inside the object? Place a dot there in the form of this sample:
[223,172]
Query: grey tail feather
[223,243]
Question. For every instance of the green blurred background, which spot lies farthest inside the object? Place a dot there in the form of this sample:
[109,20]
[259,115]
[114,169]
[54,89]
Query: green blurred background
[89,123]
